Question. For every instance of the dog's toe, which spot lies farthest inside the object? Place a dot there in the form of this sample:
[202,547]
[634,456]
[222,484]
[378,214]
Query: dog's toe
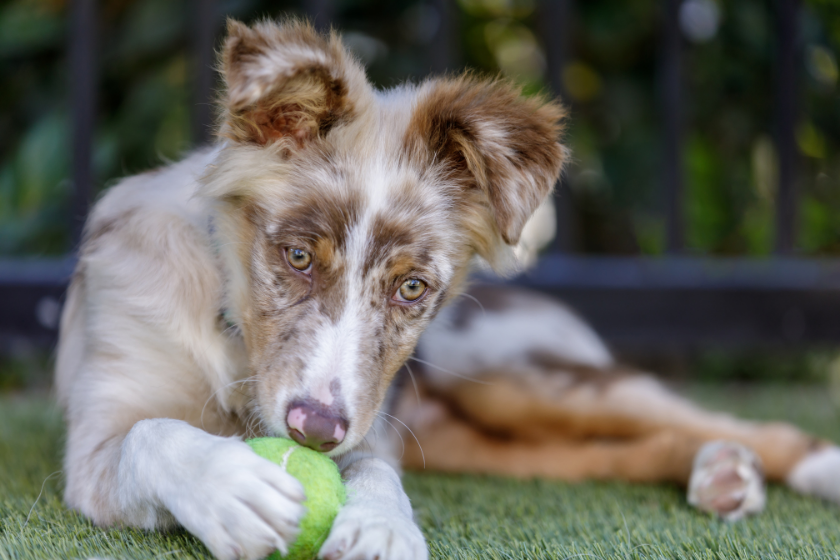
[363,534]
[727,480]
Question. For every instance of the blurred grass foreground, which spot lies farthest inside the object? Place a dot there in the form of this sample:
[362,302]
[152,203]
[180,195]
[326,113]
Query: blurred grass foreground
[463,517]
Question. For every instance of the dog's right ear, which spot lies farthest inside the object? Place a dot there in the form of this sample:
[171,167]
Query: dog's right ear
[287,82]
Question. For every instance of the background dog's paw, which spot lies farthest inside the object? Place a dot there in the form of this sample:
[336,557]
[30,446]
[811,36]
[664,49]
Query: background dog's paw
[727,479]
[239,504]
[361,533]
[818,474]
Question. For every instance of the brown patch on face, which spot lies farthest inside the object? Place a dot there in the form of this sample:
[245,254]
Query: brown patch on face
[320,216]
[386,236]
[405,240]
[484,135]
[283,82]
[318,223]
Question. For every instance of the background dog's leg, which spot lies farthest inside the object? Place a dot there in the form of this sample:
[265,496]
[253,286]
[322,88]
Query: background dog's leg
[453,444]
[725,476]
[628,427]
[540,405]
[546,398]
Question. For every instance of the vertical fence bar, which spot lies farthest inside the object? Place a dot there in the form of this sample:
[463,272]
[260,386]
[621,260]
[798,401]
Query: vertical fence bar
[83,102]
[554,25]
[204,22]
[787,18]
[321,13]
[443,49]
[671,93]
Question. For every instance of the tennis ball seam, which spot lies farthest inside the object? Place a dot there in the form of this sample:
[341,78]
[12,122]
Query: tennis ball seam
[285,460]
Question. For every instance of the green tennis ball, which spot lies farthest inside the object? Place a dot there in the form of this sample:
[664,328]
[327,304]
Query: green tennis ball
[325,493]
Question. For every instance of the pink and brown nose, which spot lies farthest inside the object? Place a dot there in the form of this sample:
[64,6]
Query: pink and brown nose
[315,425]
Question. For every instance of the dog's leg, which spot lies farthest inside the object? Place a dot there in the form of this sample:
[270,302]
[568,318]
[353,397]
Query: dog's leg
[726,481]
[548,386]
[376,522]
[565,430]
[540,405]
[450,442]
[163,471]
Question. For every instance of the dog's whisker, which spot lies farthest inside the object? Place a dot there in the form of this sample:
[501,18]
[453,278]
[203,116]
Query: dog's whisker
[402,441]
[452,373]
[232,327]
[249,422]
[413,382]
[214,393]
[423,455]
[252,418]
[375,436]
[262,427]
[475,299]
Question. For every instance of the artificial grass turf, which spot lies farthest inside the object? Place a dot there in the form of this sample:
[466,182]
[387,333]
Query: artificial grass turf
[463,517]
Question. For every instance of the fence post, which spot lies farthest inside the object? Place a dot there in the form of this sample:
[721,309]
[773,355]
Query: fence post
[443,51]
[554,24]
[203,41]
[671,92]
[787,21]
[321,13]
[83,31]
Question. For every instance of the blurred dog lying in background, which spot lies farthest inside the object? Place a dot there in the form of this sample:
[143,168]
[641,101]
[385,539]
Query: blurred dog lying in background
[512,382]
[274,285]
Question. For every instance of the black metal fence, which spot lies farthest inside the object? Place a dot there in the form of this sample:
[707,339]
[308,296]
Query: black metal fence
[675,301]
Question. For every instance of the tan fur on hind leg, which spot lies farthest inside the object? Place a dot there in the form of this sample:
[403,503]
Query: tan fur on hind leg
[620,427]
[450,443]
[561,406]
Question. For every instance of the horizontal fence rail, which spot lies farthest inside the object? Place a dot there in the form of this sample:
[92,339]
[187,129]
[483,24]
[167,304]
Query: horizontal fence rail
[635,303]
[684,303]
[657,303]
[31,296]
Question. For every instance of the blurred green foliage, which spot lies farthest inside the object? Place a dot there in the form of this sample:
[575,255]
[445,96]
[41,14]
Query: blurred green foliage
[609,81]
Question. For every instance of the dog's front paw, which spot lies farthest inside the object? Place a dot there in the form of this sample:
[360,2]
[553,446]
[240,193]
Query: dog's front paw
[363,533]
[239,504]
[727,480]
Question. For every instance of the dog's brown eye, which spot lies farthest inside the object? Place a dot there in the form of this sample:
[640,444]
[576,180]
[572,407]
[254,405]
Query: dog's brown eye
[411,290]
[299,259]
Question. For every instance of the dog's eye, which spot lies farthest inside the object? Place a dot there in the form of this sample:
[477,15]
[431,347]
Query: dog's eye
[299,259]
[410,290]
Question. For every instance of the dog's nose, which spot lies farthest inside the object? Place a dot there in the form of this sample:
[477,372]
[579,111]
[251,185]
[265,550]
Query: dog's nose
[315,426]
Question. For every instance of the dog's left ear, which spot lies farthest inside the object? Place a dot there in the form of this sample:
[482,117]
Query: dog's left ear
[489,139]
[287,81]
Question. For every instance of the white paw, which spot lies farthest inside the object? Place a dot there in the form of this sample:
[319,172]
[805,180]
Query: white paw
[727,480]
[818,474]
[239,504]
[364,533]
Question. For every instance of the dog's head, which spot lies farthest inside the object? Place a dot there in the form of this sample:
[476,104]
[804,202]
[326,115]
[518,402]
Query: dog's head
[347,217]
